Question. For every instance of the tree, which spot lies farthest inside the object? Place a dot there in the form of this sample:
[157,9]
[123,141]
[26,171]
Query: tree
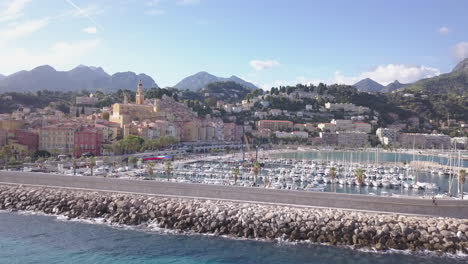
[462,179]
[332,174]
[6,153]
[132,160]
[149,169]
[92,164]
[235,173]
[75,165]
[168,169]
[76,150]
[359,174]
[105,116]
[129,144]
[255,170]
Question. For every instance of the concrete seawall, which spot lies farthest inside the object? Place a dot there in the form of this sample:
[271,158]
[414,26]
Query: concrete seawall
[444,208]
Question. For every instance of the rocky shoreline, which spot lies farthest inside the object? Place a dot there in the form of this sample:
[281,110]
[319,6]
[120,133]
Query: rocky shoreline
[245,220]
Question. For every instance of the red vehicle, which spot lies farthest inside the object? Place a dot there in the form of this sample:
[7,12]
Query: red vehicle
[157,158]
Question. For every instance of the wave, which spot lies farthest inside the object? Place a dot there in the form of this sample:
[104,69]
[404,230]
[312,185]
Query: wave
[153,227]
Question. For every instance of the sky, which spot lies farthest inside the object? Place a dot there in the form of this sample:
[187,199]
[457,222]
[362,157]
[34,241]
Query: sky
[267,42]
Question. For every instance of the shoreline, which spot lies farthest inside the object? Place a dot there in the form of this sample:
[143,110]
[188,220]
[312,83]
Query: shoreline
[152,228]
[248,221]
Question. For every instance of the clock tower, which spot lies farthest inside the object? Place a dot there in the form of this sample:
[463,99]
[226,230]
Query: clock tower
[140,98]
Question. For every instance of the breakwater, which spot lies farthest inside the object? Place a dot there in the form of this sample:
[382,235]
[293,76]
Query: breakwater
[247,220]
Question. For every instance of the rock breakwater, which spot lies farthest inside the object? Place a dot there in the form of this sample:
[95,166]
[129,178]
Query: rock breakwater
[247,220]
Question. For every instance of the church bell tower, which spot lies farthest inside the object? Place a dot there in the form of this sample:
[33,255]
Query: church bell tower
[140,98]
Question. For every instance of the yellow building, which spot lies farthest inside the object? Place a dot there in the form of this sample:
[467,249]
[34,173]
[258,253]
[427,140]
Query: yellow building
[11,125]
[58,139]
[126,112]
[183,121]
[190,131]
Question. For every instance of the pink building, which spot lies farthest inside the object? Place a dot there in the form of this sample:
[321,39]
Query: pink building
[29,139]
[88,140]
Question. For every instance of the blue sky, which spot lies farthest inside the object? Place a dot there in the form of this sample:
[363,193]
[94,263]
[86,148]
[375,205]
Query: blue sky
[268,42]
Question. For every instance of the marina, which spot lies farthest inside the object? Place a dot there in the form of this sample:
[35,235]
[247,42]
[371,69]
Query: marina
[369,173]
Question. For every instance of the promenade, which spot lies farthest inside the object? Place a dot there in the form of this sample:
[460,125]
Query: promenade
[419,206]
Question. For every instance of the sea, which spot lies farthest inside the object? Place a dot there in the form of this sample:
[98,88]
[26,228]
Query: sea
[31,238]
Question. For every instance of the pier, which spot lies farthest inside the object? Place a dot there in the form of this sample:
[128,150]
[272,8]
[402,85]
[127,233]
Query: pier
[394,205]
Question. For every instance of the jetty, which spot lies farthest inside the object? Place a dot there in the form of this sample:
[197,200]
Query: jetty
[394,205]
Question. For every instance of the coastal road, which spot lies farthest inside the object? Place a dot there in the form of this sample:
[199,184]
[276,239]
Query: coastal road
[419,206]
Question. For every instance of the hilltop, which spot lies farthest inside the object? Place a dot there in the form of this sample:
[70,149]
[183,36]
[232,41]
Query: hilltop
[369,85]
[201,79]
[79,78]
[454,82]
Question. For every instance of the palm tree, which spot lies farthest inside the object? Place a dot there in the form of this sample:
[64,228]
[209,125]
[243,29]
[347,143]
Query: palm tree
[76,150]
[168,169]
[149,169]
[462,179]
[255,170]
[235,173]
[332,175]
[22,154]
[92,164]
[132,160]
[108,148]
[74,167]
[359,174]
[6,152]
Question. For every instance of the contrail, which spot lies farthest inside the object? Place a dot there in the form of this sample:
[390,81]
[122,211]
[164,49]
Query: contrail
[84,14]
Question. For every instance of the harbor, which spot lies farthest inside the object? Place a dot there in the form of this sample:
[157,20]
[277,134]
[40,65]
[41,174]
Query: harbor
[351,172]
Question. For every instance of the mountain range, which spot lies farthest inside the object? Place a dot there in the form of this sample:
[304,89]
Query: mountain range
[455,82]
[371,86]
[80,78]
[201,79]
[95,78]
[394,86]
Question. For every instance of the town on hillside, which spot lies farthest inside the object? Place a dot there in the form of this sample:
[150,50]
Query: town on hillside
[301,115]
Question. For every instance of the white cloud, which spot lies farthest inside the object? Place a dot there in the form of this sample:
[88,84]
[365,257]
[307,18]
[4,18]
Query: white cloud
[13,10]
[188,2]
[155,12]
[262,65]
[460,51]
[385,74]
[90,30]
[444,30]
[61,54]
[23,29]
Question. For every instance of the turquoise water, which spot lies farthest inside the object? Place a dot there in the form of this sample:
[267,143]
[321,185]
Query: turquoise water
[43,239]
[365,156]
